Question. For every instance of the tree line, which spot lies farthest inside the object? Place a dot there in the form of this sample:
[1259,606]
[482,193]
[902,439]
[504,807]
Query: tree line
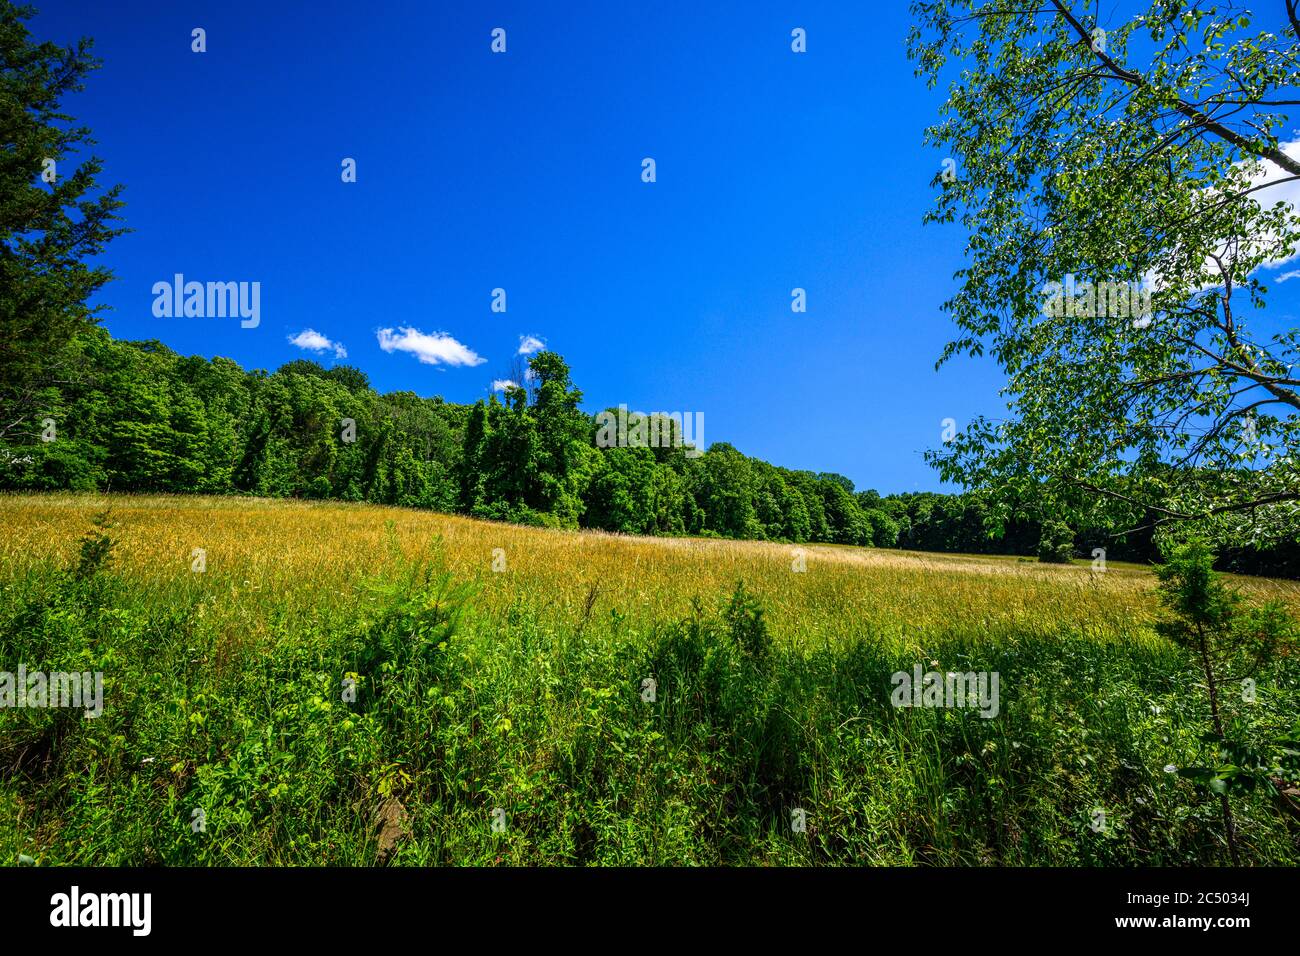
[137,416]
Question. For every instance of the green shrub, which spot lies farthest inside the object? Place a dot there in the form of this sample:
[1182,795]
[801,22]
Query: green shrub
[1056,543]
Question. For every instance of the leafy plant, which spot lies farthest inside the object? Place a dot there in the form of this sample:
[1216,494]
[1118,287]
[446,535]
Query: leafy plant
[1207,618]
[744,617]
[96,547]
[1056,545]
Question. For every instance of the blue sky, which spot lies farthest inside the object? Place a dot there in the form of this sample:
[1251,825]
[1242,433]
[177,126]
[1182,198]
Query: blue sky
[522,171]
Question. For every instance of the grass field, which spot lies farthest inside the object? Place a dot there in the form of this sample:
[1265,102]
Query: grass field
[498,714]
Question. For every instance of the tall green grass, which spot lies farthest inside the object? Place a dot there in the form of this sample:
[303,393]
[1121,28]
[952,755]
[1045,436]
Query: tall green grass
[460,710]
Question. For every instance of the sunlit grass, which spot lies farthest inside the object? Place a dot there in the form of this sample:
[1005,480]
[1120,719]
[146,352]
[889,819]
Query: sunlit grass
[224,694]
[260,551]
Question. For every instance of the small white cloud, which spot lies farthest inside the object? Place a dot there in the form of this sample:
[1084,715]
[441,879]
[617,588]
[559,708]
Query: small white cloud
[313,341]
[436,349]
[1293,274]
[528,344]
[501,384]
[1280,187]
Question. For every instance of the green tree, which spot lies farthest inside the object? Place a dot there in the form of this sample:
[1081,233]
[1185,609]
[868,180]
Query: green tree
[1230,643]
[48,230]
[564,458]
[724,491]
[469,472]
[669,512]
[620,495]
[843,516]
[1056,545]
[1113,151]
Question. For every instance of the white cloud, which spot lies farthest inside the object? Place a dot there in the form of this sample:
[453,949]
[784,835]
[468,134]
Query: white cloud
[1287,192]
[1293,274]
[528,344]
[436,349]
[313,341]
[1265,178]
[501,384]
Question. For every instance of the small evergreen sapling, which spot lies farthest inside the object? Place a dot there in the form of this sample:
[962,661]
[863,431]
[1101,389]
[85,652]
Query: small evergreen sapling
[1230,642]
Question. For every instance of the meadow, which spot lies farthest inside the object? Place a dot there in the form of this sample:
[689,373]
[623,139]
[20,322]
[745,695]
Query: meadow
[294,682]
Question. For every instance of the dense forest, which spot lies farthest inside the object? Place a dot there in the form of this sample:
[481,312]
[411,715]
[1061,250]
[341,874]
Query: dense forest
[136,416]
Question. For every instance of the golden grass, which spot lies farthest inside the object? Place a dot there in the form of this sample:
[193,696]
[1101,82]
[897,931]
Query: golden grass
[312,553]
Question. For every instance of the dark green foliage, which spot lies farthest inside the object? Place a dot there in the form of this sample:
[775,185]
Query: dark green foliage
[744,617]
[95,549]
[1056,542]
[48,232]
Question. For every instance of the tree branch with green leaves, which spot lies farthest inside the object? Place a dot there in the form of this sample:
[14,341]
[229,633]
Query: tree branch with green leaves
[1141,154]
